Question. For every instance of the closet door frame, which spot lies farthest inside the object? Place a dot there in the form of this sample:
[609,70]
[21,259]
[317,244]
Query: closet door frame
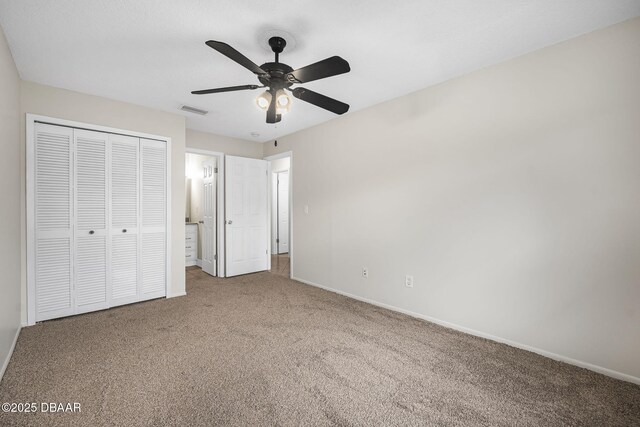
[31,120]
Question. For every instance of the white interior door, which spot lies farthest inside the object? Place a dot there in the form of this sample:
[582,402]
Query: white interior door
[246,216]
[91,221]
[124,156]
[209,217]
[283,212]
[52,252]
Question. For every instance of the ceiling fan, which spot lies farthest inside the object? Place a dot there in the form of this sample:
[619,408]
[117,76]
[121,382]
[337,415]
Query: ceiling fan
[278,78]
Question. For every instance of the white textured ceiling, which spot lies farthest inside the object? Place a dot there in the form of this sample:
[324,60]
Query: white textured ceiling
[152,52]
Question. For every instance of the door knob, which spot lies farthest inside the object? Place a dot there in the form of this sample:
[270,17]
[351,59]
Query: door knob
[229,222]
[91,231]
[124,230]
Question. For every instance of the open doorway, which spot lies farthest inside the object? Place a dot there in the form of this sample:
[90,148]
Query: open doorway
[281,201]
[201,211]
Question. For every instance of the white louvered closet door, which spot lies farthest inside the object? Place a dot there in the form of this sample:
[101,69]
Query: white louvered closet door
[153,192]
[124,185]
[91,273]
[53,208]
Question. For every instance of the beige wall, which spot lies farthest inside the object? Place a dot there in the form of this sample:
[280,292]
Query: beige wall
[9,202]
[510,194]
[65,104]
[223,144]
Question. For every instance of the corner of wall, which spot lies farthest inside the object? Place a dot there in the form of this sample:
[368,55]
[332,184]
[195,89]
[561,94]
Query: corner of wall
[10,211]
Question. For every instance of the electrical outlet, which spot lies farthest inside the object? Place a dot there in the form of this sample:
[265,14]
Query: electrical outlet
[408,281]
[365,272]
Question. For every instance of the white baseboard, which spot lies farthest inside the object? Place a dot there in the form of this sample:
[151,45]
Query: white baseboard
[13,346]
[179,294]
[554,356]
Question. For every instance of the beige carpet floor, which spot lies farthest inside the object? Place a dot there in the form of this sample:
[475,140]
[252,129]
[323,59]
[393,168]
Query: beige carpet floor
[280,265]
[264,350]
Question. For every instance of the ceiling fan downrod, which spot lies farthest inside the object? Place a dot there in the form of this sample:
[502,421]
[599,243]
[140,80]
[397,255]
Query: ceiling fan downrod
[277,46]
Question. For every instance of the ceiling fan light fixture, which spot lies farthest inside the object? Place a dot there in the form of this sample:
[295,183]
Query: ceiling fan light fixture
[283,102]
[264,100]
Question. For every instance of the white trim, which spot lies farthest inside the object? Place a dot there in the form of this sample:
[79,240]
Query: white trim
[30,122]
[220,268]
[279,156]
[269,210]
[203,152]
[291,252]
[275,195]
[30,236]
[89,126]
[8,358]
[179,294]
[168,225]
[554,356]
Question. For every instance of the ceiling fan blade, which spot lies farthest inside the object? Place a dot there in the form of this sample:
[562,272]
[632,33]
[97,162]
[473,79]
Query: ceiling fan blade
[225,89]
[321,101]
[272,117]
[319,70]
[236,56]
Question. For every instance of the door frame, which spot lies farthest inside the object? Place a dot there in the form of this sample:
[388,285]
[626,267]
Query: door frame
[276,192]
[282,155]
[220,267]
[30,122]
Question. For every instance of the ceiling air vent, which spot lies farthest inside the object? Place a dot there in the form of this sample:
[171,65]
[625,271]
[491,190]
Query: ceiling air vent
[194,110]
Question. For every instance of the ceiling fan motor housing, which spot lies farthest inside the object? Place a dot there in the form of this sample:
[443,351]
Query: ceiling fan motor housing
[277,44]
[276,79]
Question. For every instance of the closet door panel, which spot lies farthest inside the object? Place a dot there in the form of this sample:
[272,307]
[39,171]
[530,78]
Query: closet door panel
[53,278]
[153,218]
[91,273]
[91,220]
[124,276]
[124,227]
[53,219]
[153,265]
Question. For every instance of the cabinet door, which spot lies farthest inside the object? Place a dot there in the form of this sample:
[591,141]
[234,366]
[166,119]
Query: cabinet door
[124,189]
[90,220]
[53,201]
[153,192]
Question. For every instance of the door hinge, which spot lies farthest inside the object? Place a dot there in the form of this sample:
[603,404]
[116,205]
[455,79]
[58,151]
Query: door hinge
[215,257]
[215,170]
[277,240]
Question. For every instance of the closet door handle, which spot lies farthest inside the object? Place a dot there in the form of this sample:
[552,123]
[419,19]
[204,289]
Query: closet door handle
[124,230]
[91,231]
